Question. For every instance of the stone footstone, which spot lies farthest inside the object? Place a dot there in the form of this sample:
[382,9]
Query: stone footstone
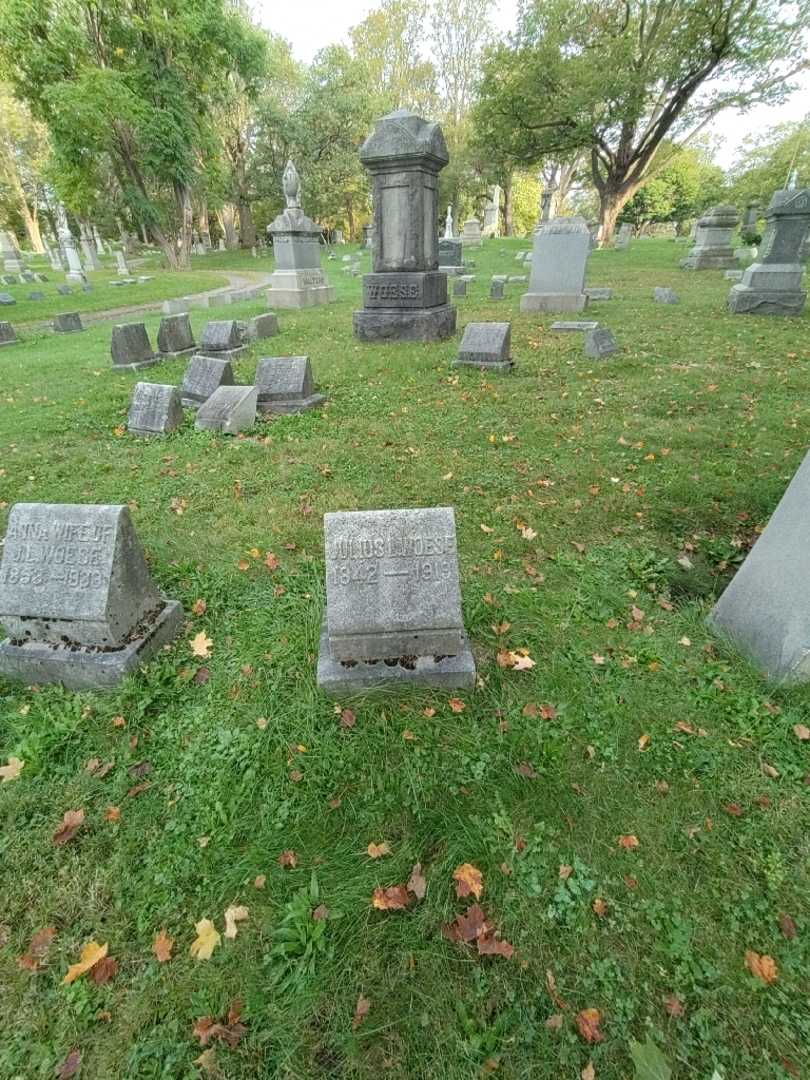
[155,409]
[666,296]
[733,275]
[765,610]
[285,385]
[497,290]
[223,339]
[76,597]
[559,261]
[600,343]
[486,345]
[773,284]
[87,287]
[7,334]
[6,299]
[459,288]
[599,294]
[67,322]
[64,290]
[262,326]
[37,294]
[572,327]
[131,348]
[203,376]
[393,603]
[175,336]
[229,410]
[10,279]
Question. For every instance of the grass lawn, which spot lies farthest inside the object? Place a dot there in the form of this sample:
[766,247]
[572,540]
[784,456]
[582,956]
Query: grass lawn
[678,448]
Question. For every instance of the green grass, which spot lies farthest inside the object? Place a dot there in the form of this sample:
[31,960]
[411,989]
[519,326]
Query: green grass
[683,442]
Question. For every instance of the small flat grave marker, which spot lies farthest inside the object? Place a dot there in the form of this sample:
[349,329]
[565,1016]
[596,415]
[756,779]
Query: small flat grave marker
[203,376]
[595,293]
[486,345]
[600,343]
[285,385]
[665,296]
[230,409]
[68,322]
[7,335]
[222,338]
[64,290]
[574,326]
[459,288]
[497,290]
[7,299]
[262,326]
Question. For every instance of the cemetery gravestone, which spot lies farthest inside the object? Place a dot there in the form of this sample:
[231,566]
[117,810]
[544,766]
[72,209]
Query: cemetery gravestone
[12,262]
[733,275]
[459,288]
[64,290]
[765,609]
[665,296]
[574,326]
[67,244]
[223,339]
[67,322]
[405,296]
[486,345]
[262,326]
[600,343]
[471,235]
[203,376]
[492,213]
[76,597]
[10,279]
[37,294]
[6,299]
[175,336]
[130,347]
[121,263]
[298,280]
[624,236]
[713,250]
[7,335]
[599,294]
[285,385]
[393,602]
[230,409]
[773,284]
[450,257]
[559,261]
[155,409]
[497,289]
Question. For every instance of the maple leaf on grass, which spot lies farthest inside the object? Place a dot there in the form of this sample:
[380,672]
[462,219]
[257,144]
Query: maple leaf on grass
[71,1065]
[233,915]
[788,926]
[588,1021]
[37,949]
[104,970]
[230,1030]
[206,941]
[761,966]
[376,851]
[469,881]
[12,770]
[162,946]
[288,860]
[360,1011]
[71,823]
[90,955]
[473,926]
[201,645]
[394,898]
[629,843]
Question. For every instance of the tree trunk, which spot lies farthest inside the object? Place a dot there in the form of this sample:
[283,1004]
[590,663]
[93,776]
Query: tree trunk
[247,228]
[350,219]
[126,158]
[202,220]
[185,210]
[612,199]
[227,222]
[29,217]
[508,208]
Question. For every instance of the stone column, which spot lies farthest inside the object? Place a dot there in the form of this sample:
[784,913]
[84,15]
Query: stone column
[405,297]
[298,280]
[68,246]
[773,284]
[713,250]
[89,249]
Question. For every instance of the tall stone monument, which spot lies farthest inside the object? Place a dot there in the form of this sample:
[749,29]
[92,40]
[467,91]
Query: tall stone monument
[68,246]
[88,244]
[713,249]
[393,602]
[12,263]
[559,260]
[405,296]
[492,212]
[773,284]
[76,597]
[298,280]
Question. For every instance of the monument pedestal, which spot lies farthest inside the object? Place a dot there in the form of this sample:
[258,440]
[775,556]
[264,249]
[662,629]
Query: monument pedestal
[773,286]
[713,250]
[300,289]
[553,301]
[298,281]
[405,324]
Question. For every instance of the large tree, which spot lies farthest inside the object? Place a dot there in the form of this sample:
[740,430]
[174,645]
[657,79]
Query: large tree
[23,154]
[389,41]
[618,77]
[767,159]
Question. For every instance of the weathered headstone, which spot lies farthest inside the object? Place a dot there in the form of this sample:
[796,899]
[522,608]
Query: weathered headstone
[665,295]
[130,346]
[405,296]
[486,345]
[223,338]
[459,288]
[230,409]
[175,336]
[765,609]
[67,322]
[497,289]
[576,325]
[27,277]
[492,212]
[10,253]
[6,299]
[98,241]
[67,245]
[7,334]
[298,280]
[599,294]
[155,409]
[88,246]
[121,263]
[221,244]
[64,290]
[450,257]
[393,602]
[76,597]
[559,261]
[37,294]
[368,235]
[10,279]
[285,385]
[203,376]
[713,250]
[624,236]
[600,343]
[773,284]
[262,326]
[733,275]
[471,235]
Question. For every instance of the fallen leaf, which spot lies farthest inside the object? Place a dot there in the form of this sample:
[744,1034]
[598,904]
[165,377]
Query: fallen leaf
[629,843]
[260,881]
[644,742]
[37,949]
[588,1021]
[799,730]
[138,789]
[202,676]
[588,1073]
[376,851]
[288,860]
[674,1006]
[11,771]
[394,898]
[206,941]
[320,913]
[786,924]
[90,955]
[770,771]
[296,776]
[761,966]
[469,881]
[207,1061]
[70,1066]
[347,719]
[104,970]
[555,1022]
[600,907]
[179,505]
[734,809]
[662,787]
[525,768]
[162,946]
[199,607]
[416,882]
[271,561]
[71,823]
[566,872]
[112,813]
[201,645]
[457,705]
[233,915]
[230,1031]
[490,944]
[360,1011]
[551,986]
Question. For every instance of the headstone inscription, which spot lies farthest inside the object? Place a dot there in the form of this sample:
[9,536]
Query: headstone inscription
[130,347]
[405,295]
[765,609]
[230,409]
[175,336]
[223,338]
[298,280]
[203,376]
[7,335]
[559,260]
[155,409]
[600,343]
[486,345]
[713,250]
[76,597]
[773,284]
[393,602]
[665,295]
[285,385]
[67,322]
[262,326]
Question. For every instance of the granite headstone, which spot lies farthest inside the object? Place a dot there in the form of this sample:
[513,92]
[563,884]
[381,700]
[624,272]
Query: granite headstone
[559,262]
[7,334]
[773,284]
[130,346]
[230,409]
[155,409]
[67,322]
[285,385]
[486,345]
[175,336]
[202,377]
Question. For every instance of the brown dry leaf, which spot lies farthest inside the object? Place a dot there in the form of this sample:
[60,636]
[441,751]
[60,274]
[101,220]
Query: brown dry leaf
[288,860]
[566,872]
[588,1021]
[320,913]
[201,676]
[555,1021]
[786,924]
[734,809]
[206,941]
[272,561]
[360,1011]
[551,986]
[90,955]
[71,1065]
[376,851]
[207,1061]
[199,607]
[456,705]
[230,1031]
[233,915]
[662,787]
[347,719]
[762,966]
[260,881]
[469,881]
[674,1006]
[770,771]
[37,949]
[428,712]
[588,1073]
[162,946]
[118,721]
[296,776]
[104,970]
[490,944]
[12,770]
[644,742]
[416,882]
[474,926]
[138,789]
[179,505]
[394,898]
[801,731]
[525,768]
[71,823]
[201,645]
[600,907]
[629,843]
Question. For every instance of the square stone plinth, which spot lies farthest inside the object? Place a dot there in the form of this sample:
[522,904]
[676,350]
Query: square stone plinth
[387,324]
[338,679]
[553,301]
[85,668]
[744,300]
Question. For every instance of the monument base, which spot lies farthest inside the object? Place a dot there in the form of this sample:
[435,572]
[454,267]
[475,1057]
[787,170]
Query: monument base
[553,301]
[224,354]
[338,679]
[743,300]
[486,365]
[452,271]
[292,406]
[312,296]
[405,324]
[140,364]
[726,261]
[76,276]
[85,668]
[179,352]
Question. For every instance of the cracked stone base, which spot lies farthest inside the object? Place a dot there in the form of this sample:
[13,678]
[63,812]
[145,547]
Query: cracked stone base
[296,406]
[301,298]
[87,669]
[337,680]
[487,365]
[402,324]
[745,301]
[553,301]
[141,364]
[174,355]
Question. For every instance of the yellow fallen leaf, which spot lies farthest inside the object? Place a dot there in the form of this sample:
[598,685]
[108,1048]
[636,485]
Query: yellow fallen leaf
[233,915]
[469,880]
[90,955]
[162,947]
[376,851]
[201,645]
[206,941]
[801,731]
[12,770]
[762,966]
